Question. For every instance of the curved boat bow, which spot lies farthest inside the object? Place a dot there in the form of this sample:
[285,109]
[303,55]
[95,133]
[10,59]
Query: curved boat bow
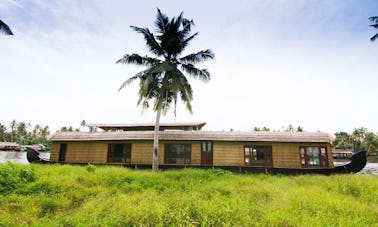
[33,156]
[357,163]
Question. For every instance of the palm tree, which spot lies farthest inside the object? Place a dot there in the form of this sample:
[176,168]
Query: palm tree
[3,130]
[12,127]
[83,124]
[165,79]
[4,28]
[358,135]
[375,25]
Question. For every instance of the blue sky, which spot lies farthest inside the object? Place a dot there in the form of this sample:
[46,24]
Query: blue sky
[307,63]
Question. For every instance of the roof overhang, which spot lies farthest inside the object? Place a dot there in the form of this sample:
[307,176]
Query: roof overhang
[195,136]
[195,126]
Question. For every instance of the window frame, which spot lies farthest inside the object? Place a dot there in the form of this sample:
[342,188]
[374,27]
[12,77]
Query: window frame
[306,159]
[127,153]
[207,147]
[187,154]
[250,159]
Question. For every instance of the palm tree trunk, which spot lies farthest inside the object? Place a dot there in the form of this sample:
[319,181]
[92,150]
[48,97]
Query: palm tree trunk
[155,152]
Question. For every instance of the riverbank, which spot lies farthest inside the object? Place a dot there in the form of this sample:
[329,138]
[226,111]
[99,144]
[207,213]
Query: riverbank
[67,195]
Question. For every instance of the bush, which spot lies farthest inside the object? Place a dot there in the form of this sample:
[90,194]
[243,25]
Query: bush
[12,177]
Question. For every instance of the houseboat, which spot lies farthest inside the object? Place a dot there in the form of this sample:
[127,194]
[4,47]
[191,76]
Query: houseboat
[187,145]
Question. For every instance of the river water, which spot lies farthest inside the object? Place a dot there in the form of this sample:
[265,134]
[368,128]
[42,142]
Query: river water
[20,158]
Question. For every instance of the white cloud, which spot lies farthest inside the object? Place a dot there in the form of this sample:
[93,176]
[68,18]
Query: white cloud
[277,62]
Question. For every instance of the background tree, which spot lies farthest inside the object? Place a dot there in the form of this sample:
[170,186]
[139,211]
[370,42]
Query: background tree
[370,143]
[4,28]
[375,25]
[83,124]
[164,80]
[342,141]
[292,128]
[257,129]
[12,127]
[3,130]
[19,132]
[358,136]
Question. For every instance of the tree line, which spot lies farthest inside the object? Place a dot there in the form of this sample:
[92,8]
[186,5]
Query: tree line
[28,134]
[359,139]
[25,133]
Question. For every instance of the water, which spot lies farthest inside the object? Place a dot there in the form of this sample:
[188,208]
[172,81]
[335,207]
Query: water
[20,158]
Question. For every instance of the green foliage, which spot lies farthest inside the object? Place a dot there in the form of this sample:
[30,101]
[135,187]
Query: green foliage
[63,195]
[165,78]
[25,134]
[90,168]
[12,177]
[359,139]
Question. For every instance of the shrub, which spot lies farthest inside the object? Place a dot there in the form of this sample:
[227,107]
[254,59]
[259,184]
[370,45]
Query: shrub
[12,178]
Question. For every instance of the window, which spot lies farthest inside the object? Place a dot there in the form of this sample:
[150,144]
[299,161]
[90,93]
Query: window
[258,155]
[119,153]
[177,154]
[313,156]
[206,152]
[62,152]
[207,146]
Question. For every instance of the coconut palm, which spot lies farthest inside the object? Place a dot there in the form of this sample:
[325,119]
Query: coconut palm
[375,25]
[164,79]
[358,135]
[83,124]
[4,28]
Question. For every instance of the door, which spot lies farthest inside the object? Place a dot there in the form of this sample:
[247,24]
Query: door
[62,152]
[207,152]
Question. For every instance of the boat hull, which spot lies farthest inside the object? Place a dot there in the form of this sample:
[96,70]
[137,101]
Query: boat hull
[357,163]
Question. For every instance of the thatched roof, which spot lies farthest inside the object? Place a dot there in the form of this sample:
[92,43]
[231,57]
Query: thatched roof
[148,126]
[195,135]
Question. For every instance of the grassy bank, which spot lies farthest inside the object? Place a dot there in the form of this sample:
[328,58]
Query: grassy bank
[66,195]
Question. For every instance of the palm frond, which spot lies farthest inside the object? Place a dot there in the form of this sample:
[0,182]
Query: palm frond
[198,57]
[4,28]
[176,23]
[129,81]
[201,74]
[186,24]
[138,60]
[161,22]
[374,19]
[374,37]
[151,42]
[186,42]
[163,68]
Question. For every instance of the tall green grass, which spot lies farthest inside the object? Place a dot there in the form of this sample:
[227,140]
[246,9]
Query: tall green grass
[64,195]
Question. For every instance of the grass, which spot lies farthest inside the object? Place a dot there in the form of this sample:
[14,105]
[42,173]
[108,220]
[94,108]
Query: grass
[64,195]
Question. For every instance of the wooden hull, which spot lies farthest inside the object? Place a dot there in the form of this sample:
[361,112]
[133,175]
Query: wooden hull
[33,156]
[357,163]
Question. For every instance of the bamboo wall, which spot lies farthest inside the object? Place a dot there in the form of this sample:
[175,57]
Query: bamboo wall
[284,155]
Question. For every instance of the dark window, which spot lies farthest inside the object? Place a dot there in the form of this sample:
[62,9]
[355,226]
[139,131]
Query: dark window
[177,154]
[258,155]
[313,156]
[62,152]
[119,153]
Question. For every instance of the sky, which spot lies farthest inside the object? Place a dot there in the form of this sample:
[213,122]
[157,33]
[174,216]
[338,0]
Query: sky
[308,63]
